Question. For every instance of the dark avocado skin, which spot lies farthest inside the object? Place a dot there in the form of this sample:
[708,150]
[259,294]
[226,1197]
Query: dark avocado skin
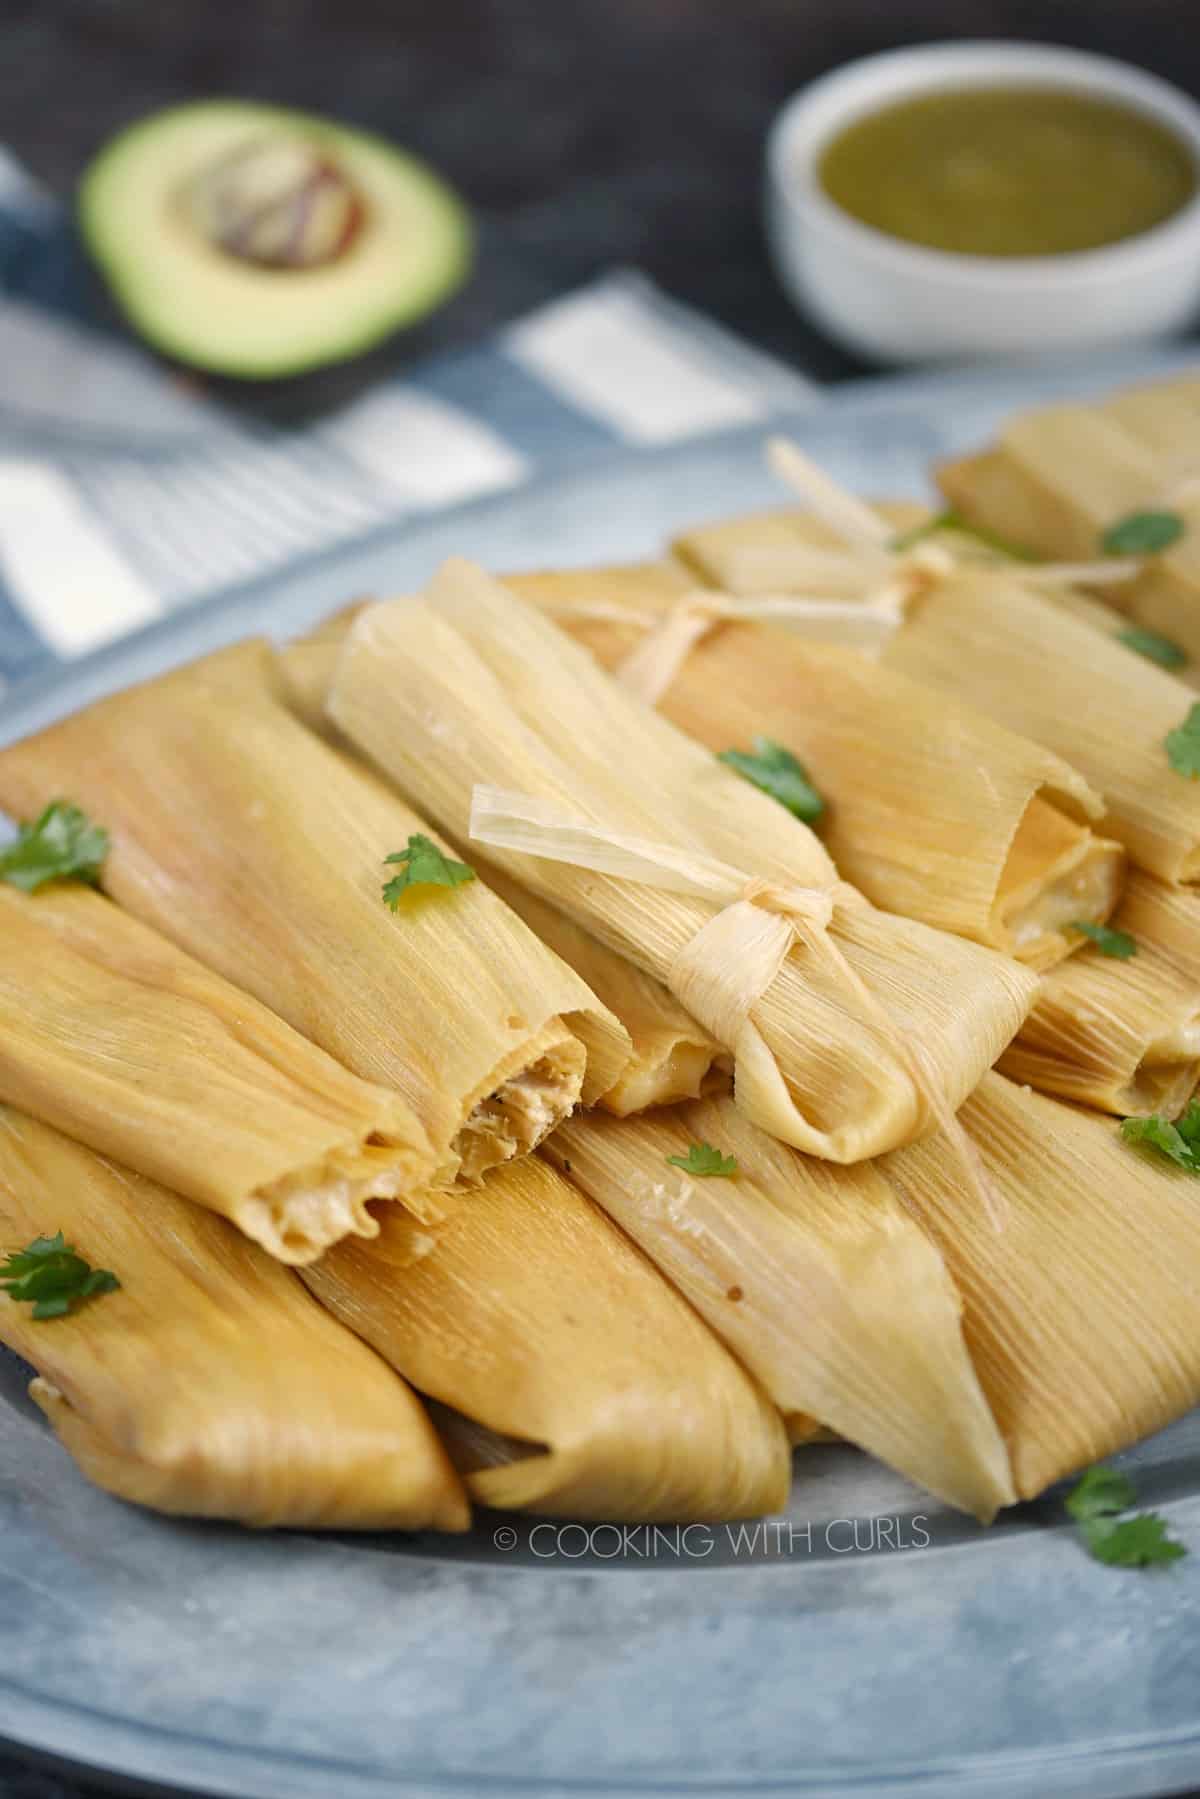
[180,304]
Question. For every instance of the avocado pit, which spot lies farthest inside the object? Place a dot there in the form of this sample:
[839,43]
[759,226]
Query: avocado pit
[276,202]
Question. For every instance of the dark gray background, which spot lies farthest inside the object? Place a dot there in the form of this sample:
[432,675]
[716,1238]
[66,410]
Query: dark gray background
[582,133]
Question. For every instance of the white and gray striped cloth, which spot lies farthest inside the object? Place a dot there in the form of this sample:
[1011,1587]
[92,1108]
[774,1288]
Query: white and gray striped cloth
[125,494]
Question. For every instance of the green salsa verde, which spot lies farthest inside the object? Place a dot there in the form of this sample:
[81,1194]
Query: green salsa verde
[1009,171]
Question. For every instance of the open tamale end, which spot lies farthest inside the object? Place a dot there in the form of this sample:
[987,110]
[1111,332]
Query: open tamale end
[535,1319]
[209,1384]
[1122,1033]
[115,1036]
[449,1001]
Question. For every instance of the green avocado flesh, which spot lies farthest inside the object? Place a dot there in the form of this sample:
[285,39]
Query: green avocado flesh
[255,241]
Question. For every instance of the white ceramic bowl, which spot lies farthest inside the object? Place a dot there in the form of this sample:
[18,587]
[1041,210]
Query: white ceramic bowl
[902,303]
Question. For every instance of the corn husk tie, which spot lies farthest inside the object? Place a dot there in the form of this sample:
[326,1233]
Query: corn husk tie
[723,972]
[874,582]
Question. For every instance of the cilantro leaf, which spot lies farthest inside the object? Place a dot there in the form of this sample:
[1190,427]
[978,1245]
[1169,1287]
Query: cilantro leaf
[1109,942]
[1095,1503]
[1138,1542]
[61,845]
[1183,745]
[1100,1493]
[1142,534]
[53,1277]
[423,864]
[703,1159]
[1154,647]
[1180,1141]
[952,520]
[775,771]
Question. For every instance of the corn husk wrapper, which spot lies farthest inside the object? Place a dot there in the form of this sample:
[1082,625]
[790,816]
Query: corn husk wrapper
[1081,1315]
[983,638]
[307,664]
[498,688]
[210,1384]
[1123,1036]
[935,812]
[261,850]
[1060,477]
[115,1036]
[589,1388]
[816,1277]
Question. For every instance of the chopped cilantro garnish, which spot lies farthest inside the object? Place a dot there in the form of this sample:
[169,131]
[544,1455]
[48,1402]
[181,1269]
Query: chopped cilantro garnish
[775,771]
[1118,944]
[423,864]
[61,845]
[53,1277]
[703,1159]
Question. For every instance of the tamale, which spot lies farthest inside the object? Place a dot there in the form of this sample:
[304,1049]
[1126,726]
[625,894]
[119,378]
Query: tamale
[534,1318]
[210,1384]
[114,1035]
[672,1058]
[934,811]
[497,687]
[1123,1036]
[816,1278]
[1058,478]
[984,638]
[1082,1315]
[260,850]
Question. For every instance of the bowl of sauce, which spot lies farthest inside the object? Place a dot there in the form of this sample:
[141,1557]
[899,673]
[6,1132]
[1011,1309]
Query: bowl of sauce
[987,199]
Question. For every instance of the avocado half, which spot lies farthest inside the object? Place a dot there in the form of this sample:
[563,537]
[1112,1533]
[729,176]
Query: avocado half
[224,302]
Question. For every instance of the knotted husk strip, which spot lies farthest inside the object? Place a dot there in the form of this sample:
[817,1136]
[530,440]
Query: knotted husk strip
[1083,1315]
[115,1036]
[497,688]
[210,1385]
[934,811]
[816,1277]
[1059,477]
[260,849]
[538,1321]
[1123,1036]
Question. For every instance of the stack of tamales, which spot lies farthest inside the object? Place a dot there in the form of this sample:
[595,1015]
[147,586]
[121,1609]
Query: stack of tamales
[655,1129]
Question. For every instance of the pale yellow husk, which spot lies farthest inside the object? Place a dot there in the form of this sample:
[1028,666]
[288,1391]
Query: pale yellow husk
[816,1277]
[533,1318]
[672,1058]
[118,1038]
[984,638]
[1123,1036]
[1059,477]
[306,665]
[260,849]
[1081,1315]
[475,680]
[934,811]
[210,1384]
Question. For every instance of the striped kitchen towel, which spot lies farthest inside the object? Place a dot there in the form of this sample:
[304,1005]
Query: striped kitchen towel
[126,494]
